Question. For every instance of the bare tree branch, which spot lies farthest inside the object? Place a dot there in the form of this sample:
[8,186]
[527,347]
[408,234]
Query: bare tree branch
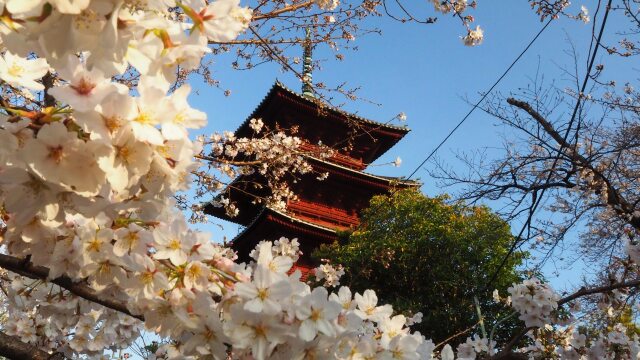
[598,290]
[614,198]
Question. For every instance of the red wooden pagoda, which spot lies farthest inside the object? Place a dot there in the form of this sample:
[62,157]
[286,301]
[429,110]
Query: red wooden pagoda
[322,207]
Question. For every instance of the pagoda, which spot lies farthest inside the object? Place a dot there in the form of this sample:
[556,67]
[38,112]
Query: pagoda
[322,208]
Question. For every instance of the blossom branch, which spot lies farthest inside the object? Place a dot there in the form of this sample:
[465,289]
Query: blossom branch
[228,162]
[25,268]
[507,353]
[456,335]
[285,9]
[273,41]
[596,290]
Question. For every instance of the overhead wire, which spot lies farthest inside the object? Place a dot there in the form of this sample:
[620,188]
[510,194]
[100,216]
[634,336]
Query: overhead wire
[482,98]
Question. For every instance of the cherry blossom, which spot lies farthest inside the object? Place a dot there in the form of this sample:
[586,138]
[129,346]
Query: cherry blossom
[327,4]
[149,110]
[184,117]
[368,307]
[148,281]
[133,239]
[534,301]
[171,243]
[18,71]
[64,6]
[86,89]
[264,293]
[277,264]
[329,273]
[58,156]
[128,162]
[221,20]
[316,313]
[474,37]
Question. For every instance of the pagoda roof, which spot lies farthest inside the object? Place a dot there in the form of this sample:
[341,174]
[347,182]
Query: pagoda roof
[316,102]
[373,138]
[270,215]
[267,209]
[391,180]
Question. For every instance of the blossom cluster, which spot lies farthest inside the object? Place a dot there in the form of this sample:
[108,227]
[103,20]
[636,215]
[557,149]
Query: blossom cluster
[88,175]
[458,8]
[534,301]
[555,332]
[327,4]
[568,343]
[273,314]
[273,156]
[45,315]
[330,274]
[473,347]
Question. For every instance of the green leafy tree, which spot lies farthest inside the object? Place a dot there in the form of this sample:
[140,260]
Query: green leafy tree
[425,255]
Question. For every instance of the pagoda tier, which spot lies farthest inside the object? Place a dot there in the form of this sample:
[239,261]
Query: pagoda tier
[271,224]
[345,192]
[322,207]
[357,140]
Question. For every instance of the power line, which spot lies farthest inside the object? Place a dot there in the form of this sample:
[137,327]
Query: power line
[475,106]
[484,96]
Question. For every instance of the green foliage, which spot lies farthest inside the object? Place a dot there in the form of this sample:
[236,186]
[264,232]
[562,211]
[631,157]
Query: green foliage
[423,254]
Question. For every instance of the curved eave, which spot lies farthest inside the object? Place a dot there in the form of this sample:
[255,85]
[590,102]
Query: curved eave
[220,213]
[249,227]
[303,222]
[282,218]
[380,127]
[383,180]
[341,112]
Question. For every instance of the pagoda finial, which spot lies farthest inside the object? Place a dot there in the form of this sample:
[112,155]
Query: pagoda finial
[307,67]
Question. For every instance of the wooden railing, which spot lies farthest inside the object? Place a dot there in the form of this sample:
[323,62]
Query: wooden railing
[323,213]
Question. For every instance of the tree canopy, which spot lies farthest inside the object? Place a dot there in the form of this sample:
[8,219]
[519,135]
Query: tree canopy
[424,254]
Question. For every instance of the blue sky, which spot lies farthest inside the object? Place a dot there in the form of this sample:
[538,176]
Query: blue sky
[426,72]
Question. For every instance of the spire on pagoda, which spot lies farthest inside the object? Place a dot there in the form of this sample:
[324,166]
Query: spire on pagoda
[307,67]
